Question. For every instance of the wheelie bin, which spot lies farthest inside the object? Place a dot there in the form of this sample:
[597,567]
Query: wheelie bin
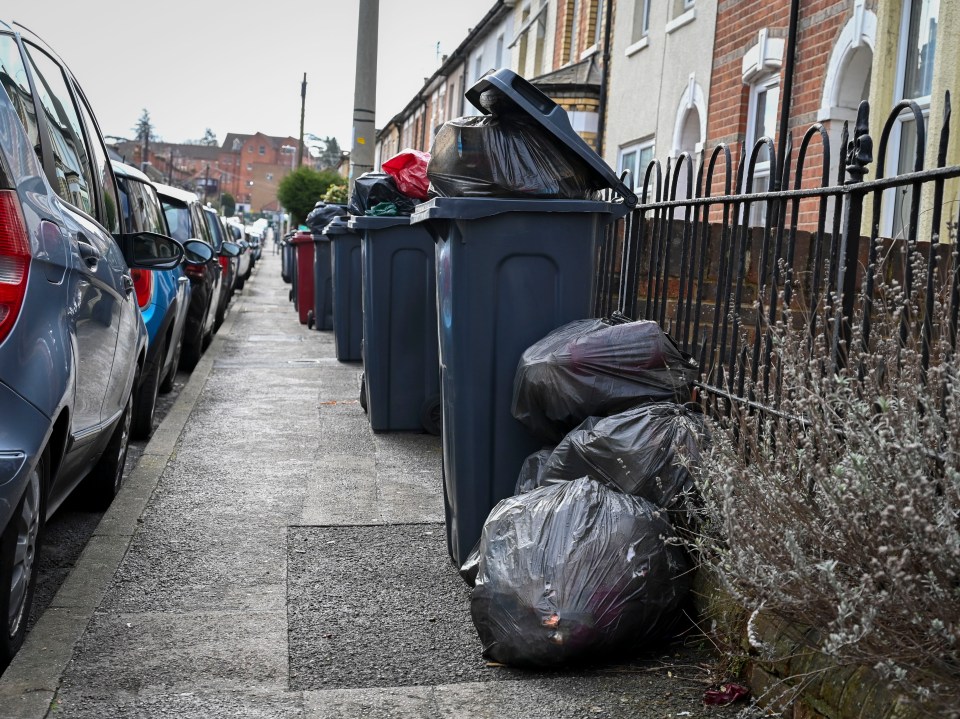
[508,272]
[345,266]
[322,283]
[400,356]
[303,244]
[287,259]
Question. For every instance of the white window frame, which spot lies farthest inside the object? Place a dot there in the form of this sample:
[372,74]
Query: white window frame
[888,219]
[635,181]
[762,170]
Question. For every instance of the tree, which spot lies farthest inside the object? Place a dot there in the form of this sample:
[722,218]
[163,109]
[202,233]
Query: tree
[143,130]
[300,190]
[330,154]
[228,205]
[209,138]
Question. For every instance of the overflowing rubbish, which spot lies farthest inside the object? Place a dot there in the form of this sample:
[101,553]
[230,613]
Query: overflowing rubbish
[372,188]
[382,209]
[574,572]
[643,451]
[409,170]
[504,156]
[322,215]
[590,368]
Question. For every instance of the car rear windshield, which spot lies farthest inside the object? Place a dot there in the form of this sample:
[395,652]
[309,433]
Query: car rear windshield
[178,218]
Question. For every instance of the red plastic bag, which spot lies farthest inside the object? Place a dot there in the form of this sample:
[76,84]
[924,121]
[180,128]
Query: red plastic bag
[409,170]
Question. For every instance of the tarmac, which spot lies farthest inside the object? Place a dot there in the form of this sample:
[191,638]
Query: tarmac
[271,556]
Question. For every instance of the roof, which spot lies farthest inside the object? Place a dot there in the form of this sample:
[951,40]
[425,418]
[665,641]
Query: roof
[176,193]
[583,74]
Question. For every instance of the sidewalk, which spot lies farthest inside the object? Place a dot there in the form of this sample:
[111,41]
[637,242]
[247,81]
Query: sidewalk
[271,556]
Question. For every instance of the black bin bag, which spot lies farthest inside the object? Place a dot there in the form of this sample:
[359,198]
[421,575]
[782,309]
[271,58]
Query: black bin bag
[589,368]
[504,156]
[531,470]
[372,188]
[643,451]
[322,215]
[576,572]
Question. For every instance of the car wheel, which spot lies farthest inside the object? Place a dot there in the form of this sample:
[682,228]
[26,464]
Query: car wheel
[146,400]
[192,351]
[240,282]
[19,557]
[363,391]
[208,338]
[166,385]
[431,415]
[105,478]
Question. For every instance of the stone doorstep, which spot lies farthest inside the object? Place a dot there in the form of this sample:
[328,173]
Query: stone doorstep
[802,682]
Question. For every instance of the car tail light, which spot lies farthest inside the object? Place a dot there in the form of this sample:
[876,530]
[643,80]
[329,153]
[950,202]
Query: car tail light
[14,261]
[224,264]
[195,271]
[143,286]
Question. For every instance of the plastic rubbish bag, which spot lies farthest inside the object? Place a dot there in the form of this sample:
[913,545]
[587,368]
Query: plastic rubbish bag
[372,188]
[382,209]
[590,368]
[638,451]
[496,156]
[531,470]
[409,170]
[575,572]
[322,215]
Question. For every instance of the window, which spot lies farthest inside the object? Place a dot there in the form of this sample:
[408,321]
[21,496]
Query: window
[178,220]
[249,148]
[573,23]
[635,158]
[478,68]
[72,180]
[269,177]
[761,122]
[681,6]
[249,167]
[13,78]
[598,22]
[918,47]
[263,150]
[499,61]
[102,171]
[237,145]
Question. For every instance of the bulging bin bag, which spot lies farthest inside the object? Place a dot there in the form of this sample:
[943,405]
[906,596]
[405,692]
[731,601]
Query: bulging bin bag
[531,469]
[643,451]
[409,170]
[575,572]
[372,188]
[323,214]
[498,156]
[590,368]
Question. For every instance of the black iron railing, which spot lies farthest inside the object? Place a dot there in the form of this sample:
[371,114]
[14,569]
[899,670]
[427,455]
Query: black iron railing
[716,263]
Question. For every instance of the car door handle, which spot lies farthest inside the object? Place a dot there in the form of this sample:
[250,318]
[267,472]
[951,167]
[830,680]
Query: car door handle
[183,280]
[89,253]
[127,284]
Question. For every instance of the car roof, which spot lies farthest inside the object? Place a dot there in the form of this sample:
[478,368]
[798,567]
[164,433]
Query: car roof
[125,170]
[176,193]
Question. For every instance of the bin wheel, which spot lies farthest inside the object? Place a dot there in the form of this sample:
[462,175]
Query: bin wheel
[363,391]
[310,319]
[290,296]
[431,415]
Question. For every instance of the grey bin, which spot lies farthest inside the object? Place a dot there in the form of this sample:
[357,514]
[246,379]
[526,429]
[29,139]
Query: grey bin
[287,261]
[345,265]
[322,283]
[400,354]
[508,272]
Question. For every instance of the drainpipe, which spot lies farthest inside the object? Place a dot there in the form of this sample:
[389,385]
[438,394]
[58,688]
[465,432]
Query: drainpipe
[785,103]
[602,109]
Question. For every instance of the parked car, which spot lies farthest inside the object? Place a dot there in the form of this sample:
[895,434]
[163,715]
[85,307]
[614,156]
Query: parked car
[227,252]
[184,215]
[72,338]
[163,298]
[244,262]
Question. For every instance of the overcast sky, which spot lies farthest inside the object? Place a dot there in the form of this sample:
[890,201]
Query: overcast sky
[237,67]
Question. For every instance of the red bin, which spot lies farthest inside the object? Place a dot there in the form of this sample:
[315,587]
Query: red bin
[303,246]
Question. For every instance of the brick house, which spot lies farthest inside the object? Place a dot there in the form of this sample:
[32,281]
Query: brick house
[256,164]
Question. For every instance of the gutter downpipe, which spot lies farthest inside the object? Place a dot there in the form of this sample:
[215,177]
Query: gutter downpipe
[786,103]
[602,109]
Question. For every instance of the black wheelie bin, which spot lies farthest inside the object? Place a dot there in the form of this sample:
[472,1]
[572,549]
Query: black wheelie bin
[508,272]
[400,355]
[322,283]
[345,266]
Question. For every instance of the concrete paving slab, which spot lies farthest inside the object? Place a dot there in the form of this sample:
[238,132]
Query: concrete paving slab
[190,704]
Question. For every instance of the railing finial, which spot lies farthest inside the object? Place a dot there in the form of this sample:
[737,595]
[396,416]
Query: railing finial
[860,148]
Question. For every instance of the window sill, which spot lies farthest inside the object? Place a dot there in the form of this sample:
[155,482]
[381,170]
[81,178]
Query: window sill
[592,50]
[680,20]
[637,46]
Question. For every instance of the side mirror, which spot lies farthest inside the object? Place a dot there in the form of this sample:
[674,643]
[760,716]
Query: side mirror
[152,251]
[230,249]
[196,252]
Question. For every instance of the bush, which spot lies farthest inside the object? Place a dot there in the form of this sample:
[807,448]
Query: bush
[299,191]
[847,517]
[337,194]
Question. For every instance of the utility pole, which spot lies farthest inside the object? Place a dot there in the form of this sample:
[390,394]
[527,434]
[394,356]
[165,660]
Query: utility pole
[303,105]
[365,90]
[206,184]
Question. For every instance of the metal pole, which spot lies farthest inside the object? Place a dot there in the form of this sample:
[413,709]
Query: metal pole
[303,105]
[604,76]
[365,91]
[787,96]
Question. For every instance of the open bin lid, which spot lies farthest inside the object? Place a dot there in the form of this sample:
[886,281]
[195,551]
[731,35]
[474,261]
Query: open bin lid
[338,226]
[474,208]
[551,117]
[371,222]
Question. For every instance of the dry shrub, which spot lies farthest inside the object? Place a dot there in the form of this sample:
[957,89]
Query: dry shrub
[846,517]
